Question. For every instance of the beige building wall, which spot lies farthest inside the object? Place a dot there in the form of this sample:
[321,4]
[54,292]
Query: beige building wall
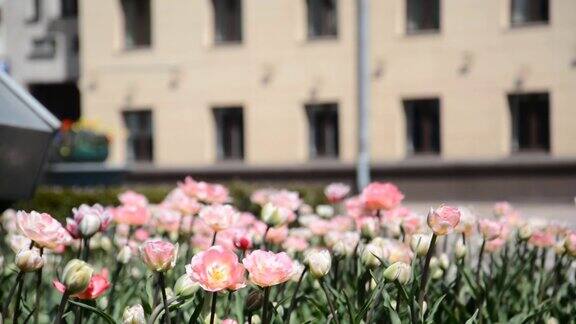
[276,70]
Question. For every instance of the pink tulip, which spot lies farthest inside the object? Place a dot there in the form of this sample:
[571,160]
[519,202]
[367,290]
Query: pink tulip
[84,211]
[277,235]
[570,243]
[141,234]
[159,255]
[229,321]
[219,217]
[295,244]
[443,220]
[262,196]
[167,220]
[342,223]
[178,200]
[494,245]
[242,240]
[217,269]
[131,198]
[285,199]
[97,287]
[489,229]
[502,208]
[44,230]
[379,195]
[266,268]
[354,206]
[542,239]
[411,224]
[131,215]
[336,192]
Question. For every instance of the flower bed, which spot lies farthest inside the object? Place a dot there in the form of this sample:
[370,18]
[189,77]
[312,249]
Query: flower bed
[195,256]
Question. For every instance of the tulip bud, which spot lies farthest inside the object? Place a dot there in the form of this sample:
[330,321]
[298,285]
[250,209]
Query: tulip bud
[319,262]
[398,271]
[325,211]
[242,242]
[444,261]
[254,300]
[340,250]
[272,215]
[371,255]
[76,276]
[255,319]
[443,220]
[124,255]
[420,244]
[369,227]
[106,244]
[525,232]
[434,262]
[489,229]
[298,268]
[185,286]
[460,250]
[29,260]
[560,248]
[89,225]
[437,273]
[134,315]
[159,255]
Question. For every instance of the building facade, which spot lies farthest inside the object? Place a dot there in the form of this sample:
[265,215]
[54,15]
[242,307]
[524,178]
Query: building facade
[42,51]
[271,84]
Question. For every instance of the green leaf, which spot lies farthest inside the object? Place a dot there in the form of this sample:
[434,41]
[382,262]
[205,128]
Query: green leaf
[434,309]
[472,319]
[94,310]
[197,311]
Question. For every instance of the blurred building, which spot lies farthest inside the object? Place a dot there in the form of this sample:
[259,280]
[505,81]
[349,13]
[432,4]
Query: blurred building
[42,51]
[261,87]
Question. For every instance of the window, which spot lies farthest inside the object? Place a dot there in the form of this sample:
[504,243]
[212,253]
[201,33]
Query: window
[423,125]
[529,12]
[422,16]
[323,130]
[43,48]
[227,21]
[322,18]
[33,10]
[229,133]
[530,122]
[139,144]
[69,8]
[137,23]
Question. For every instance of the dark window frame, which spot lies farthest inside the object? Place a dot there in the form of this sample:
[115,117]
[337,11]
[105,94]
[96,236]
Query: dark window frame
[323,29]
[418,111]
[531,6]
[68,8]
[435,19]
[229,122]
[43,48]
[37,12]
[228,26]
[144,137]
[526,114]
[135,25]
[323,144]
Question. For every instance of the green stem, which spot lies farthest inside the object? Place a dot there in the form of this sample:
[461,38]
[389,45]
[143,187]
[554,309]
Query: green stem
[61,308]
[265,305]
[263,245]
[115,277]
[213,308]
[162,286]
[86,249]
[479,266]
[424,280]
[329,300]
[17,306]
[294,297]
[11,293]
[39,290]
[214,238]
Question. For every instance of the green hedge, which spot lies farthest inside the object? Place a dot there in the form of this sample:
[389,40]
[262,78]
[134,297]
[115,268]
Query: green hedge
[59,201]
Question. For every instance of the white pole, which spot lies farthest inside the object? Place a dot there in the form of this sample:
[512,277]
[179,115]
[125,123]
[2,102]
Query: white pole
[363,79]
